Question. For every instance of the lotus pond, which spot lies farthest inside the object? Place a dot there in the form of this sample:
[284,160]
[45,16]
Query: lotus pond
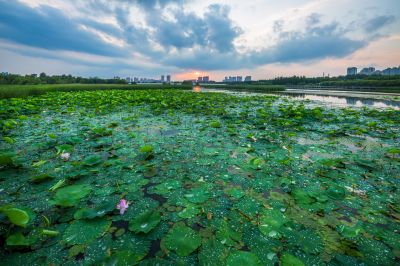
[168,177]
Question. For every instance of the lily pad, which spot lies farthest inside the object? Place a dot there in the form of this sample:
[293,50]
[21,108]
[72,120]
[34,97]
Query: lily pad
[17,239]
[83,231]
[243,258]
[70,195]
[145,222]
[182,239]
[41,178]
[16,216]
[198,195]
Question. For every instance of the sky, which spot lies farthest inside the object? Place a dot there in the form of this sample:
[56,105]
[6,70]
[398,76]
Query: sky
[188,38]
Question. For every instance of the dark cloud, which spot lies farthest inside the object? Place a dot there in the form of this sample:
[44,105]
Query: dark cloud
[48,28]
[377,23]
[180,40]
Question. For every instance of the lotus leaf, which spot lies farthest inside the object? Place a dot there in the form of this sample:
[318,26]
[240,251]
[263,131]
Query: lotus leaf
[41,178]
[198,195]
[182,239]
[84,231]
[290,260]
[145,222]
[271,221]
[17,239]
[16,216]
[243,258]
[71,195]
[93,160]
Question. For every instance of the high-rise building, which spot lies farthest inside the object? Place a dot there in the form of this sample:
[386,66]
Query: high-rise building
[206,79]
[239,78]
[367,71]
[247,78]
[168,78]
[200,79]
[351,71]
[162,78]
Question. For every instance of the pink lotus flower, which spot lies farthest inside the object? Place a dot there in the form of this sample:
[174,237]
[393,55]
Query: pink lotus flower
[122,206]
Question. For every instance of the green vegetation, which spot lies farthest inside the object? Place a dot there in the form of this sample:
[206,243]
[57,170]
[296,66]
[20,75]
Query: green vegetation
[170,177]
[13,91]
[247,87]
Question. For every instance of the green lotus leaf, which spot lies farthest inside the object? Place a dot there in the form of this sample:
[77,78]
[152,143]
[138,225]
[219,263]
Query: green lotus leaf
[16,216]
[93,160]
[182,239]
[290,260]
[215,124]
[167,186]
[376,252]
[307,240]
[243,258]
[64,148]
[213,253]
[336,192]
[83,231]
[98,211]
[236,193]
[41,178]
[18,239]
[198,195]
[227,235]
[271,221]
[349,231]
[145,222]
[189,211]
[146,149]
[71,195]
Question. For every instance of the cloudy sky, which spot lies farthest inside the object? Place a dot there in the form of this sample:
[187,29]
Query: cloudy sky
[147,38]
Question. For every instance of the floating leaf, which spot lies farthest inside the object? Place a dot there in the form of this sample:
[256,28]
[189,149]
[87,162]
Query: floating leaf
[93,160]
[198,195]
[290,260]
[145,222]
[71,195]
[271,221]
[83,231]
[215,124]
[242,258]
[182,239]
[16,216]
[41,178]
[146,148]
[17,239]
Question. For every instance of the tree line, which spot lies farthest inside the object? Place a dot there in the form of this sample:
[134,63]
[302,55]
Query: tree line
[43,78]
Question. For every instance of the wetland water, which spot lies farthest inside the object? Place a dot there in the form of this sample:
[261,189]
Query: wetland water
[207,179]
[331,97]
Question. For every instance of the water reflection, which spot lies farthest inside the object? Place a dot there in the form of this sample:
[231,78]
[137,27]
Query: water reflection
[333,100]
[347,100]
[197,88]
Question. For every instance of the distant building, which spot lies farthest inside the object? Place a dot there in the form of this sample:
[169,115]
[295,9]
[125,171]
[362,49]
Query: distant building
[162,78]
[391,71]
[168,78]
[206,79]
[351,71]
[367,71]
[200,79]
[247,78]
[239,78]
[136,79]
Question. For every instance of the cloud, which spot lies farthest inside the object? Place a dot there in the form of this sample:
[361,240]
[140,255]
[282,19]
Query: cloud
[48,28]
[378,23]
[169,36]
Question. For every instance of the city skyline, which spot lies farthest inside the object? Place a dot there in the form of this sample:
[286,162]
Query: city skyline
[196,38]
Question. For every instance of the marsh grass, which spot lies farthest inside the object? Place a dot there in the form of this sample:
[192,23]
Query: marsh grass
[18,91]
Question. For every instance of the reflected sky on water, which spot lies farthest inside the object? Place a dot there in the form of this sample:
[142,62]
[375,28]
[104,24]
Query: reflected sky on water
[363,100]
